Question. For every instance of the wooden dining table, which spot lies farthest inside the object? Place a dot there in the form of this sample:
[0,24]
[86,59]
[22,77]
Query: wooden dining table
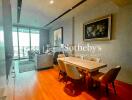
[88,66]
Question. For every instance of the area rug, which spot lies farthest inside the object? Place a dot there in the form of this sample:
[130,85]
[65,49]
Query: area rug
[25,66]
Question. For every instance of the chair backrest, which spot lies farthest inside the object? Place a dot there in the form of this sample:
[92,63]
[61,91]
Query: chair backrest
[72,71]
[61,55]
[94,59]
[56,56]
[61,65]
[111,75]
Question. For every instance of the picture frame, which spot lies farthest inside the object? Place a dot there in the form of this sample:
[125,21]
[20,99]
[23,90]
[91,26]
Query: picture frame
[98,29]
[58,37]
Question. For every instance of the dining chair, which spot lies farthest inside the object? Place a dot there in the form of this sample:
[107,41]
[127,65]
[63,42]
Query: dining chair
[74,75]
[96,59]
[55,56]
[61,55]
[61,64]
[62,70]
[85,72]
[107,78]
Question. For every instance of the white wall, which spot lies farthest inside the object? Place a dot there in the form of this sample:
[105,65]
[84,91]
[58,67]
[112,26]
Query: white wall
[117,51]
[67,31]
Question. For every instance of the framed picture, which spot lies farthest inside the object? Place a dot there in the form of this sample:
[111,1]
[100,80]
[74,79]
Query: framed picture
[58,37]
[99,29]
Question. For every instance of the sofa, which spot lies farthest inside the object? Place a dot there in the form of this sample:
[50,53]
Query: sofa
[43,61]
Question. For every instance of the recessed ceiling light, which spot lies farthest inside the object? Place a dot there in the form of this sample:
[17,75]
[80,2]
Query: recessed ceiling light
[51,1]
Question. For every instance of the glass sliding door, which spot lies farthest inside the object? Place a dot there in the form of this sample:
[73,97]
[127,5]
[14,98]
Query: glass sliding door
[34,39]
[24,42]
[15,43]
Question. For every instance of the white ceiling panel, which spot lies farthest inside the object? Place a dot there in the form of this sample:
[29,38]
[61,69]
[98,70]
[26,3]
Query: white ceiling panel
[14,11]
[1,22]
[40,12]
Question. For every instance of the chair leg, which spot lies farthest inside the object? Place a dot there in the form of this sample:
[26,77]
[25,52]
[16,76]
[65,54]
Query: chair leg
[114,87]
[107,89]
[59,75]
[99,86]
[66,79]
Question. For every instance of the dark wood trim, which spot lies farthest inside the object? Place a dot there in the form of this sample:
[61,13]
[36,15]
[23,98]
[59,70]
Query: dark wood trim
[30,38]
[73,33]
[19,4]
[58,17]
[82,1]
[18,42]
[62,35]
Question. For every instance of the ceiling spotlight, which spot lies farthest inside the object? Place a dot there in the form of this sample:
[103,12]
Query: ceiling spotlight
[51,1]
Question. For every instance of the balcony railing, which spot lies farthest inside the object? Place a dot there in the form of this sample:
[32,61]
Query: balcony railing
[23,51]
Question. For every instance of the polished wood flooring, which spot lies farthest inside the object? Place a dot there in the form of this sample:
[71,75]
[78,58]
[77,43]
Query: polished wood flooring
[44,85]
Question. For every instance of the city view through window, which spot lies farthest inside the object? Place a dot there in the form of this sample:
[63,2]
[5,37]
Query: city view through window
[25,40]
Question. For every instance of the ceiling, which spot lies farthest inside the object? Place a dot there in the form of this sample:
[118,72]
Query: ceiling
[38,13]
[1,13]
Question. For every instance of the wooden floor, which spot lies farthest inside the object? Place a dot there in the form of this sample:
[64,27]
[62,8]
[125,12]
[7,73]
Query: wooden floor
[44,85]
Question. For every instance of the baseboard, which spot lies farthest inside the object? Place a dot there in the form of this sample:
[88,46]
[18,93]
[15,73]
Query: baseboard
[3,98]
[44,68]
[3,86]
[3,93]
[9,91]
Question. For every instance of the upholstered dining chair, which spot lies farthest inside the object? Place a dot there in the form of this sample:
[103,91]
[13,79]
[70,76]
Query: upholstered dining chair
[107,78]
[55,56]
[62,71]
[61,64]
[74,75]
[61,55]
[96,59]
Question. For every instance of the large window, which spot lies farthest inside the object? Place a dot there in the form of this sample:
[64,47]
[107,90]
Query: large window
[24,40]
[15,43]
[34,39]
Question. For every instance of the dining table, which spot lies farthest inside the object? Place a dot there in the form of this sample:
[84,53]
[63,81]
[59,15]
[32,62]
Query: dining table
[88,66]
[85,64]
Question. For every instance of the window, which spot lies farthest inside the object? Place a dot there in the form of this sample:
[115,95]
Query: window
[24,40]
[34,39]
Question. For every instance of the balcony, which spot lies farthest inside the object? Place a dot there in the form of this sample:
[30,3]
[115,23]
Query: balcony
[22,51]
